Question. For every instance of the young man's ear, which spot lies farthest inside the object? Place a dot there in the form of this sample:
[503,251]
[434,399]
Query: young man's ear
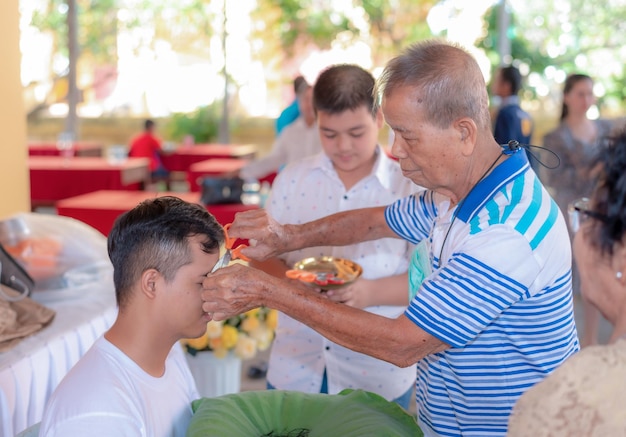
[149,280]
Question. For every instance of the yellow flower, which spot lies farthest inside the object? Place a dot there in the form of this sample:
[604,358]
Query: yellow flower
[198,343]
[263,336]
[214,329]
[229,336]
[249,324]
[253,312]
[216,343]
[271,319]
[246,347]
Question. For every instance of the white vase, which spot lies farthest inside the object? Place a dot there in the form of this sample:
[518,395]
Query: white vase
[215,376]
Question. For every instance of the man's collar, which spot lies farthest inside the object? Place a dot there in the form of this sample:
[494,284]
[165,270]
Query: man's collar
[484,190]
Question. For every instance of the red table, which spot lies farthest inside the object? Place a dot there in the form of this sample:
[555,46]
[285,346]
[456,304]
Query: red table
[53,178]
[80,148]
[100,208]
[183,157]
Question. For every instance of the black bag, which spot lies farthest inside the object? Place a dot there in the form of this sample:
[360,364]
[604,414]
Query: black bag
[216,190]
[13,275]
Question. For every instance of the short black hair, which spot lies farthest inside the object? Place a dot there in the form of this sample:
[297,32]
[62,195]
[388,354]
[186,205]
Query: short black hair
[344,87]
[155,234]
[148,124]
[513,77]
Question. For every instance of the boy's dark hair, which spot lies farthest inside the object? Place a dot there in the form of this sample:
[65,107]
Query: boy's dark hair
[148,124]
[343,87]
[154,235]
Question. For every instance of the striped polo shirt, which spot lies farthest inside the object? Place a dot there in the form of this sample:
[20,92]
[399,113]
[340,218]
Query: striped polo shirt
[499,293]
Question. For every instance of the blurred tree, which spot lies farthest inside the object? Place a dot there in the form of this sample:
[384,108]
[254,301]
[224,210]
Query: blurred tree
[184,25]
[286,26]
[558,38]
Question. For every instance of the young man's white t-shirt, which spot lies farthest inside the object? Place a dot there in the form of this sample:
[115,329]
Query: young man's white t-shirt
[108,394]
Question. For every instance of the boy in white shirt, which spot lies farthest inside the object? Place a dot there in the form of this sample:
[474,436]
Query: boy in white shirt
[352,172]
[134,381]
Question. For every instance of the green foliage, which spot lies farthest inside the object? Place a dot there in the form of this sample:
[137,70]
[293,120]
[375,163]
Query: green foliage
[350,413]
[202,124]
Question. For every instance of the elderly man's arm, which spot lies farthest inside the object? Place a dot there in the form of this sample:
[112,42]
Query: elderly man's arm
[269,238]
[236,289]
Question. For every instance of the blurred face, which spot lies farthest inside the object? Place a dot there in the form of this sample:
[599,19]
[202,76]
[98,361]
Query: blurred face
[349,139]
[598,283]
[499,87]
[580,98]
[428,155]
[181,301]
[305,104]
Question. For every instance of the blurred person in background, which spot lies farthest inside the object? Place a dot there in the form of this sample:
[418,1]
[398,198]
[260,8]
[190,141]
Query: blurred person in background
[291,112]
[586,396]
[148,145]
[296,141]
[576,141]
[512,122]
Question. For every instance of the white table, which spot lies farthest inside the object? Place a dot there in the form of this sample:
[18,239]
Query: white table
[30,372]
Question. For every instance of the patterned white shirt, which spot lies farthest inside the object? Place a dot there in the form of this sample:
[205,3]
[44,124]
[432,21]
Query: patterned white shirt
[499,293]
[309,190]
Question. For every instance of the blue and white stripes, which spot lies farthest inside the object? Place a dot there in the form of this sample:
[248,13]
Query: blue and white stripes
[500,297]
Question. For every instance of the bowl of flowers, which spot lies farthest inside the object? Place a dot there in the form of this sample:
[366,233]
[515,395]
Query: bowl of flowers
[215,357]
[242,335]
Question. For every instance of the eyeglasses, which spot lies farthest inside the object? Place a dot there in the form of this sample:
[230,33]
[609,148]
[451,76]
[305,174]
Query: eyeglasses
[579,211]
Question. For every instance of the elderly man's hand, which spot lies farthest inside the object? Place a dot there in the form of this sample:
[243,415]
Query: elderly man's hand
[233,290]
[266,236]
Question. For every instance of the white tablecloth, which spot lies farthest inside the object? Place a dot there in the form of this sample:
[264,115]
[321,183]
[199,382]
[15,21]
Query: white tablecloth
[30,372]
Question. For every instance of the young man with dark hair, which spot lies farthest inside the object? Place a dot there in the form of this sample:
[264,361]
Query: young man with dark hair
[134,381]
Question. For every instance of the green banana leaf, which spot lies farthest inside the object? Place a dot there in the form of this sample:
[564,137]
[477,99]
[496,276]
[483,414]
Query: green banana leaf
[281,413]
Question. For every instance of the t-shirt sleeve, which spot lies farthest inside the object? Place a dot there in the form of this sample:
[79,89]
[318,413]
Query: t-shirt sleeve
[412,217]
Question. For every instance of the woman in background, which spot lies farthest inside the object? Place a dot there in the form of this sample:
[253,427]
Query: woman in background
[586,396]
[576,141]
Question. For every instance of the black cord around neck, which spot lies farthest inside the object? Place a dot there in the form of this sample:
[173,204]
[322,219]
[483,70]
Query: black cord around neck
[458,208]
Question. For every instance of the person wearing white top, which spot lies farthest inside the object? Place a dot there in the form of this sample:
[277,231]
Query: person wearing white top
[352,172]
[296,141]
[134,381]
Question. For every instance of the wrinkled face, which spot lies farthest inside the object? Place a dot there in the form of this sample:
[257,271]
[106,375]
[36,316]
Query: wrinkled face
[580,98]
[597,276]
[349,139]
[180,300]
[428,155]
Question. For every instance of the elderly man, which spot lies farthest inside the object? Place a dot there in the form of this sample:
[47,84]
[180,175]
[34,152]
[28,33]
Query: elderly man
[494,313]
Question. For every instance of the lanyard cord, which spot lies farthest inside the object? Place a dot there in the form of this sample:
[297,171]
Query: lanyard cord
[458,208]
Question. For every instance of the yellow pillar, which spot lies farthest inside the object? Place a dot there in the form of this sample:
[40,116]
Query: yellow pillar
[14,177]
